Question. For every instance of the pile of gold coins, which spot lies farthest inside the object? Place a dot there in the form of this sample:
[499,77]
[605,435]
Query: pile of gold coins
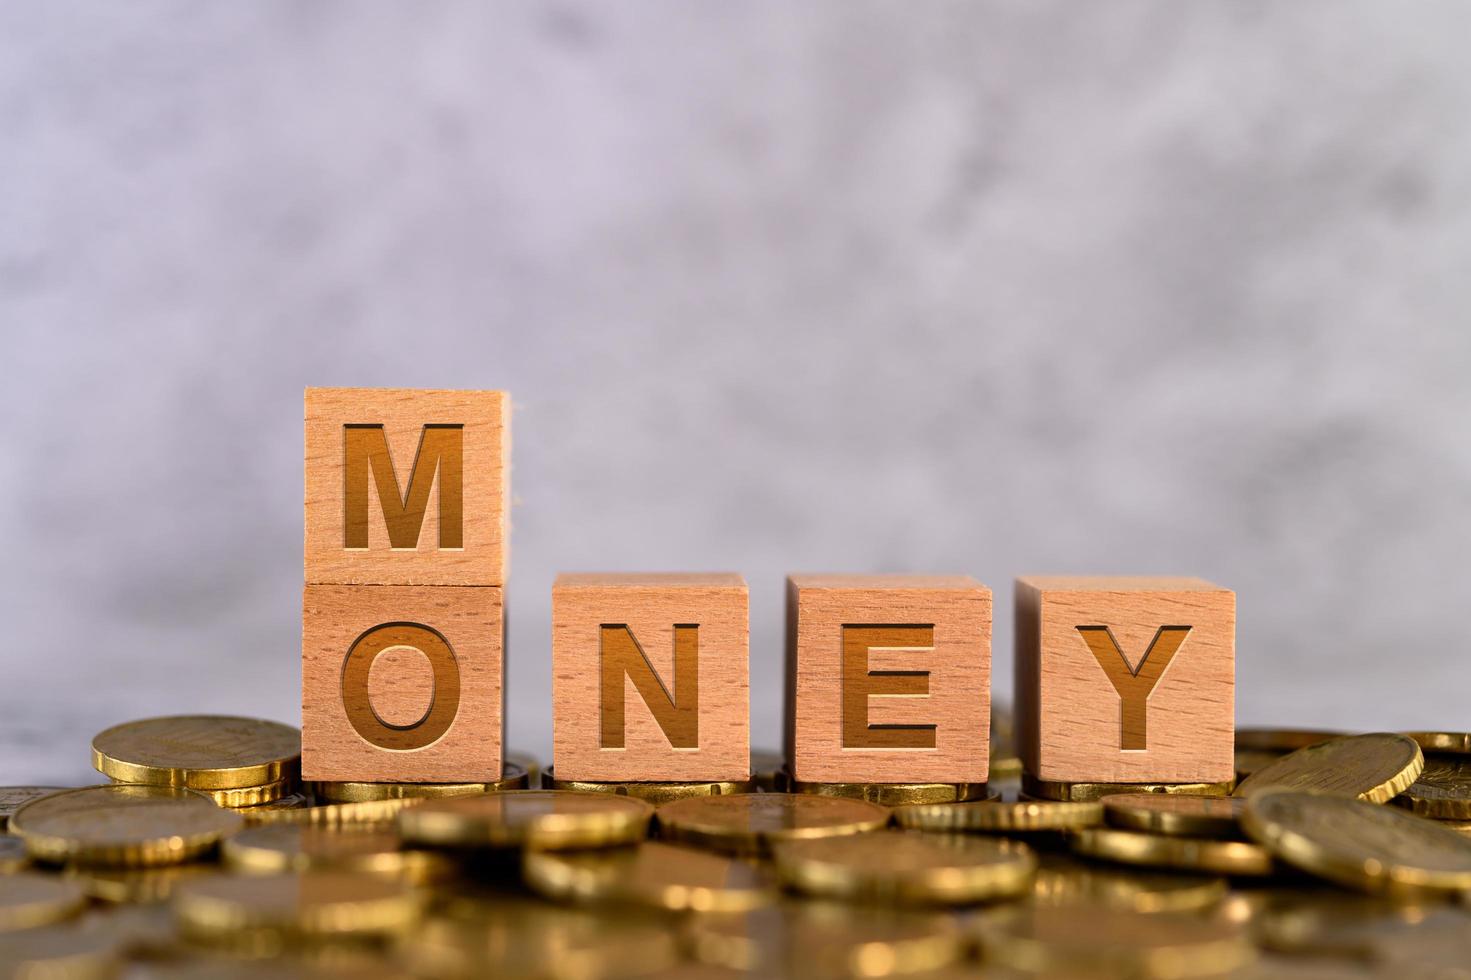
[1333,856]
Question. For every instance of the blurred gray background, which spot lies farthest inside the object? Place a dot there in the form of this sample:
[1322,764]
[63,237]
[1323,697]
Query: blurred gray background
[977,287]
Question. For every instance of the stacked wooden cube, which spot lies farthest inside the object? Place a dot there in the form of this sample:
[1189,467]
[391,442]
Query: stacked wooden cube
[403,612]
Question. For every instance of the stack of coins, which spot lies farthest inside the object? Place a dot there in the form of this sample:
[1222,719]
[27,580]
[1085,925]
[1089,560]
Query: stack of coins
[237,762]
[1335,856]
[1442,790]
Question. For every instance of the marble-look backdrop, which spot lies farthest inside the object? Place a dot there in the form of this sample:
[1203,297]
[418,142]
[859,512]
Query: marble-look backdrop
[974,287]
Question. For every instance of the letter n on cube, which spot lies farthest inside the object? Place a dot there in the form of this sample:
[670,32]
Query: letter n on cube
[651,677]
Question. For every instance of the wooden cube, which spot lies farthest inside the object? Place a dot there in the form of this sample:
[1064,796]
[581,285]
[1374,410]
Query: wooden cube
[406,487]
[650,677]
[888,678]
[402,683]
[1128,680]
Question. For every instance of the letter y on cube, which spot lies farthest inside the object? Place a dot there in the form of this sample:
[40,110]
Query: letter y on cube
[1125,680]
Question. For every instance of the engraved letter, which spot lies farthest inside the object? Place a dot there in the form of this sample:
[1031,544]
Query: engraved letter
[441,449]
[860,683]
[444,699]
[1134,684]
[678,714]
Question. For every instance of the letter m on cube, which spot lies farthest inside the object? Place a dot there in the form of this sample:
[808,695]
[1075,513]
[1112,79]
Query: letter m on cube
[406,486]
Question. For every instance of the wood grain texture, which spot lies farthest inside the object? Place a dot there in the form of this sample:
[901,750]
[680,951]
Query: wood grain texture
[954,672]
[367,651]
[1073,723]
[715,733]
[399,500]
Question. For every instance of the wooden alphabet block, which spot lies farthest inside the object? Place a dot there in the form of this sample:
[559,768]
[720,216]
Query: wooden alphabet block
[650,678]
[406,487]
[401,683]
[888,678]
[1126,680]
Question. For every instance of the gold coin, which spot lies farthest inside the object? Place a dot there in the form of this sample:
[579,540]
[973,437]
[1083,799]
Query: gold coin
[513,777]
[1274,967]
[906,867]
[1177,816]
[1443,789]
[145,932]
[28,900]
[319,903]
[1105,942]
[199,752]
[1003,729]
[655,794]
[897,794]
[1044,789]
[280,848]
[525,762]
[250,795]
[1370,848]
[58,952]
[256,953]
[1005,767]
[1328,922]
[768,770]
[1242,907]
[12,798]
[373,814]
[13,856]
[752,822]
[679,879]
[1248,761]
[1374,768]
[1462,827]
[824,939]
[135,885]
[509,935]
[1063,881]
[1450,743]
[291,801]
[688,970]
[1199,855]
[1283,740]
[1004,763]
[121,824]
[993,816]
[536,819]
[1440,953]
